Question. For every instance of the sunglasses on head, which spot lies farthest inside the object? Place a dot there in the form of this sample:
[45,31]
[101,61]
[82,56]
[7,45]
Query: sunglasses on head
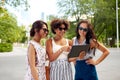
[45,30]
[84,29]
[62,29]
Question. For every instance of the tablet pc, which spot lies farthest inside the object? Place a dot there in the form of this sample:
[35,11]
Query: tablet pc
[76,49]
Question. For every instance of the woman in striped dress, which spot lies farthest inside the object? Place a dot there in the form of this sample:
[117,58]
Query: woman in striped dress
[57,49]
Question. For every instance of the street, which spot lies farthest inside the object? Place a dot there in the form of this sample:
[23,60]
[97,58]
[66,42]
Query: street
[109,69]
[12,65]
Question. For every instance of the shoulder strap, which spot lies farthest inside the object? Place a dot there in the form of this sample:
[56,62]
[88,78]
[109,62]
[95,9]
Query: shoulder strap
[74,41]
[67,42]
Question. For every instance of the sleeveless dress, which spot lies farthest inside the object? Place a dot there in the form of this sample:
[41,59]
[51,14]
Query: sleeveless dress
[40,62]
[60,69]
[84,71]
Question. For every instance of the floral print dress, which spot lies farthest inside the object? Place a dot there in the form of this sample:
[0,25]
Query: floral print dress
[40,62]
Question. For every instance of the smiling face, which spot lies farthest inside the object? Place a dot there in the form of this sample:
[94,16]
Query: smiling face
[61,30]
[43,31]
[82,30]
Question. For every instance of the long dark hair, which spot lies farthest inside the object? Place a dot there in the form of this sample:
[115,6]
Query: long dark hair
[90,33]
[37,25]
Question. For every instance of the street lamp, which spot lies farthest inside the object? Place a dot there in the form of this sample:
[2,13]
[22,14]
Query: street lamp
[117,24]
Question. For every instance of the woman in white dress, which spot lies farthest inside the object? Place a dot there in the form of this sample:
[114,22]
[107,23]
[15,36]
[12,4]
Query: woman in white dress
[58,48]
[36,53]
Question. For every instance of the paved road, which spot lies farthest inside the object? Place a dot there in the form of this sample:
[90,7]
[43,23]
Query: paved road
[109,69]
[12,65]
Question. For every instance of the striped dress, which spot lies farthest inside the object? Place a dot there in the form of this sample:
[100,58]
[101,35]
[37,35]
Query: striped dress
[60,69]
[40,62]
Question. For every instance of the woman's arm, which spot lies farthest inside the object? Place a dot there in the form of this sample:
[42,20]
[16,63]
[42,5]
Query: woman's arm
[102,48]
[31,60]
[105,52]
[70,42]
[52,56]
[72,60]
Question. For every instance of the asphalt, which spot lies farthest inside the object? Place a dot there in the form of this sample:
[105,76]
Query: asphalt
[13,65]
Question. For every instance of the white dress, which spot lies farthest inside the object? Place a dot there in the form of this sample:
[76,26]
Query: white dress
[40,62]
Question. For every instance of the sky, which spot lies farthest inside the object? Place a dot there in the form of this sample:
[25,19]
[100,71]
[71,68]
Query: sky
[37,8]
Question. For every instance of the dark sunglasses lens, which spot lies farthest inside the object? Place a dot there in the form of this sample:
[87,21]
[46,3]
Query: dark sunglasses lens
[80,28]
[84,29]
[62,28]
[46,30]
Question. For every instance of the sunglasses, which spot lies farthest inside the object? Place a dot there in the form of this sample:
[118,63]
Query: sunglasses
[84,29]
[45,30]
[62,29]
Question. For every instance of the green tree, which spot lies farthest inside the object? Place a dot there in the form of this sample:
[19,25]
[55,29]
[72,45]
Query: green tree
[105,20]
[8,26]
[72,30]
[102,14]
[21,34]
[75,7]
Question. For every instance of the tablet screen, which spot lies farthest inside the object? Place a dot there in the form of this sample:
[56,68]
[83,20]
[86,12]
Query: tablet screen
[76,49]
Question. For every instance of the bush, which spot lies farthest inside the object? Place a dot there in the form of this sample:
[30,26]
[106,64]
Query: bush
[115,45]
[6,47]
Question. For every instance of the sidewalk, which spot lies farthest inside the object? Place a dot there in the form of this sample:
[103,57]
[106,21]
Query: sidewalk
[109,69]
